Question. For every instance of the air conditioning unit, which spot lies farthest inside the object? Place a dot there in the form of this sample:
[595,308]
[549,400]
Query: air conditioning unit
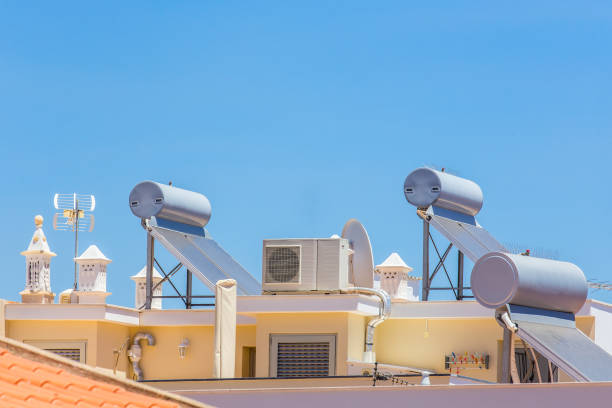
[297,265]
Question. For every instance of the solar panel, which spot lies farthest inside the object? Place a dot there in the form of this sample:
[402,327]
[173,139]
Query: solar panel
[555,336]
[471,239]
[206,259]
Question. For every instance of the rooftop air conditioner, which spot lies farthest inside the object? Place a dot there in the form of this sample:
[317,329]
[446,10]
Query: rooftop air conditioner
[298,265]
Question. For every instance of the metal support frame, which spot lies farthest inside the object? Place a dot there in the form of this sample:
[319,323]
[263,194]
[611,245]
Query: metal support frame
[459,289]
[425,281]
[187,298]
[149,273]
[506,356]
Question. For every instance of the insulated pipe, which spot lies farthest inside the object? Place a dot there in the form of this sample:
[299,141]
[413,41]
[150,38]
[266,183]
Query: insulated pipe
[384,311]
[135,353]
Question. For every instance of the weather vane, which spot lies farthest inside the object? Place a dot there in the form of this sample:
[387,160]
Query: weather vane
[75,216]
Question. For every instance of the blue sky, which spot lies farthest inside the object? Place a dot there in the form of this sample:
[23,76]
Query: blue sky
[293,118]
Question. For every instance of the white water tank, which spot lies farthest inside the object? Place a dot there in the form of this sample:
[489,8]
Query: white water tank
[150,199]
[499,278]
[424,187]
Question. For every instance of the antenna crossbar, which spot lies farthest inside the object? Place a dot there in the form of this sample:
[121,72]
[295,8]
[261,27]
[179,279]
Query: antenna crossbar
[75,215]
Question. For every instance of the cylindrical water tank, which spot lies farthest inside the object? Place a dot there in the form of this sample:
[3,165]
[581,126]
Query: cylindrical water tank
[499,278]
[151,199]
[424,187]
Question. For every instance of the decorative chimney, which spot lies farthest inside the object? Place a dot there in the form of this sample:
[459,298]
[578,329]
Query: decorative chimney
[38,268]
[140,294]
[92,277]
[395,280]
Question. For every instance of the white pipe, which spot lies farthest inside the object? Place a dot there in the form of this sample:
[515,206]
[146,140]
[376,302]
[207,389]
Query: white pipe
[384,311]
[508,322]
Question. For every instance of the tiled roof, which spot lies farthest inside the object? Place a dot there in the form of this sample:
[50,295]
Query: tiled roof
[27,382]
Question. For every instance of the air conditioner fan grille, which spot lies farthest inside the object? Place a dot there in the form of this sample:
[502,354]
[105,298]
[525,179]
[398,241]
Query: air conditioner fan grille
[282,265]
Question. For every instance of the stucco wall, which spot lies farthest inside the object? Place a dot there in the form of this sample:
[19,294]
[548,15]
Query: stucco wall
[245,337]
[42,330]
[162,361]
[111,337]
[422,343]
[305,323]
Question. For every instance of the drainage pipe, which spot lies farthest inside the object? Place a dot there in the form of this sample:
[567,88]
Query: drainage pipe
[384,311]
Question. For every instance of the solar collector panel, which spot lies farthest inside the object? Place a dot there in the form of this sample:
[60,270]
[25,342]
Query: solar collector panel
[473,240]
[555,336]
[205,259]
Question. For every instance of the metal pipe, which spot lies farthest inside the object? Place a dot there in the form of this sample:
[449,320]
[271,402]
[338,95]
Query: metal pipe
[425,282]
[149,272]
[135,353]
[76,241]
[384,311]
[188,295]
[460,275]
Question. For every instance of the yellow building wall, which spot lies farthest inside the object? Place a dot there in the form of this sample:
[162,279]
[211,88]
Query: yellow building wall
[161,361]
[419,343]
[112,337]
[245,337]
[356,336]
[586,324]
[423,343]
[50,330]
[349,330]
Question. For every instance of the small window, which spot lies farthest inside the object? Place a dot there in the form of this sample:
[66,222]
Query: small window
[74,350]
[302,355]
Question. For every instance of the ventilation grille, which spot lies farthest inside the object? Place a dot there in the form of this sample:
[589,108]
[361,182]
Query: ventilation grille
[282,265]
[72,354]
[302,360]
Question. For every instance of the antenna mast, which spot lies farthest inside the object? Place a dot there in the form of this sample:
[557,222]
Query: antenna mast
[75,216]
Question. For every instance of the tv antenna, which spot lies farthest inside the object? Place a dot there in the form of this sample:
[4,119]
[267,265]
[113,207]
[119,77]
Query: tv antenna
[75,216]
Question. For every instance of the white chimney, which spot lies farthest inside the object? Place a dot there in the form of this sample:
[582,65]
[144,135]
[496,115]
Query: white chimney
[395,280]
[140,292]
[92,276]
[38,268]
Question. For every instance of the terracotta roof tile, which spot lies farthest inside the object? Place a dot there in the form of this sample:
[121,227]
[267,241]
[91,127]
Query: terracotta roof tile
[28,383]
[49,369]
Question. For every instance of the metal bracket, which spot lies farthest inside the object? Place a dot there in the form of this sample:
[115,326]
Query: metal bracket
[458,288]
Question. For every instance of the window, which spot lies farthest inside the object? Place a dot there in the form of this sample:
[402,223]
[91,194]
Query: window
[74,350]
[302,355]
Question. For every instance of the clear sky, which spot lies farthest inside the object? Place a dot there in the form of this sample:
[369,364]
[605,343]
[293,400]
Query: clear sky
[293,117]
